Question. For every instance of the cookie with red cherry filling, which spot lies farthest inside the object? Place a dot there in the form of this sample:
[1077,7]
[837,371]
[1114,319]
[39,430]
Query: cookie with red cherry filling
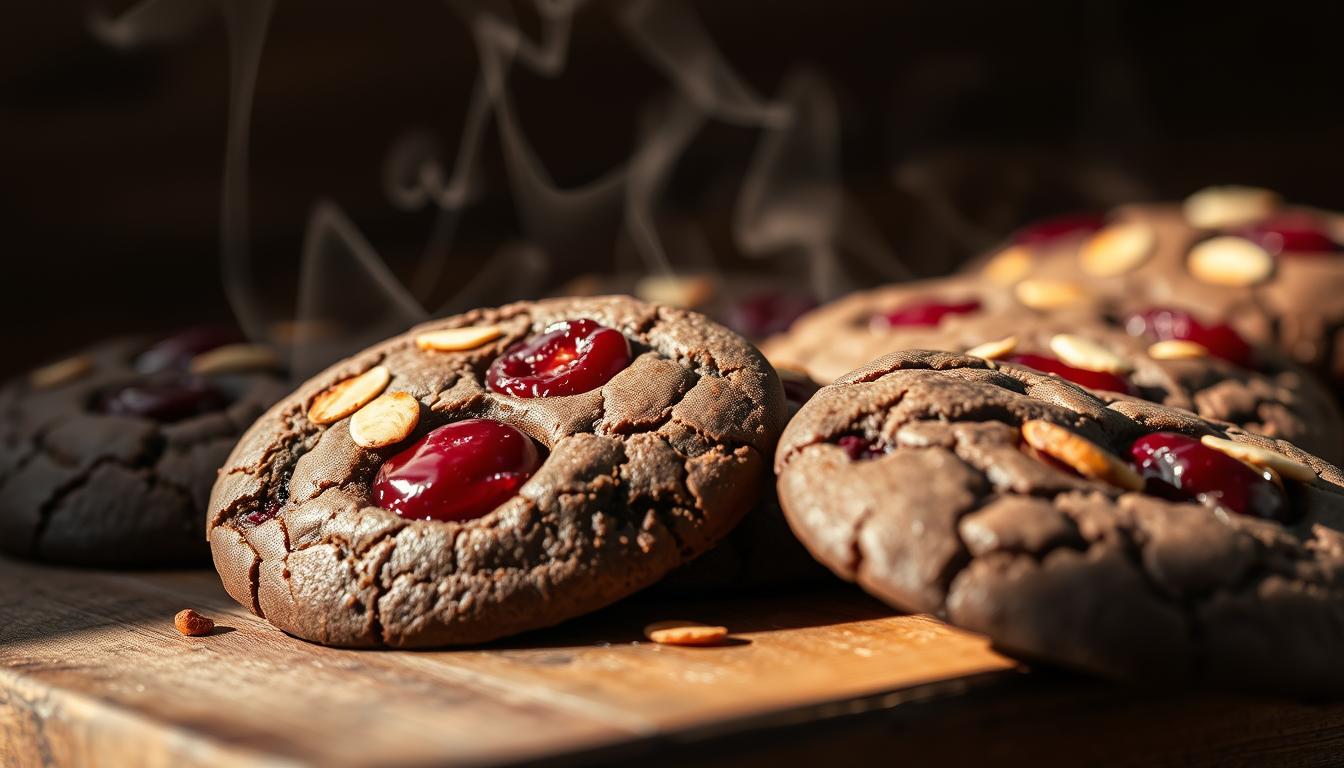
[107,456]
[1126,539]
[495,472]
[1236,255]
[1157,353]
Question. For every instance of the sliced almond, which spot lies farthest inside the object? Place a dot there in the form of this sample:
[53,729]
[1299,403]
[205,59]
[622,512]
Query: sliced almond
[1084,456]
[1261,457]
[1231,261]
[386,420]
[458,339]
[1117,249]
[1082,352]
[993,350]
[687,292]
[1229,206]
[1177,349]
[685,633]
[60,372]
[1009,266]
[348,396]
[232,358]
[1048,294]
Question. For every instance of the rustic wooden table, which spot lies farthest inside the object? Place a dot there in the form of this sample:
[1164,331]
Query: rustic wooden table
[92,672]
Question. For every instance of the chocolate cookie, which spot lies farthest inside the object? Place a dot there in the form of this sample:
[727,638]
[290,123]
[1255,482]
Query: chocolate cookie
[761,553]
[1228,254]
[495,472]
[1121,538]
[1223,379]
[107,457]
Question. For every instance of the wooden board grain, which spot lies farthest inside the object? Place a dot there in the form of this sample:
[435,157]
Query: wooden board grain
[93,673]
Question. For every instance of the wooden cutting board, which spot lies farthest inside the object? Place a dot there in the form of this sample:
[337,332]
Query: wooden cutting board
[92,672]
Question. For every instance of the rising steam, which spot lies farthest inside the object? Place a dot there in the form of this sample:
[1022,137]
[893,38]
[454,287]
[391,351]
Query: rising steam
[792,206]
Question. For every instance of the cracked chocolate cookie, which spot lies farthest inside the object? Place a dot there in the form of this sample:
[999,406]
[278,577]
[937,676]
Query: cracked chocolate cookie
[1157,354]
[495,472]
[761,553]
[107,457]
[1234,255]
[1126,539]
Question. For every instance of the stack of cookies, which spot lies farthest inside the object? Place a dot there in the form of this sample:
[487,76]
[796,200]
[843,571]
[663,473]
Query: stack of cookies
[1107,446]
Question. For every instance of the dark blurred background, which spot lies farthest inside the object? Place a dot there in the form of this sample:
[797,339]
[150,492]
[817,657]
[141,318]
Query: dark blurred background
[954,123]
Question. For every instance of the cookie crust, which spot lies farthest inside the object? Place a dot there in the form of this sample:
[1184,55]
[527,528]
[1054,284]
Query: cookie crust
[641,475]
[958,521]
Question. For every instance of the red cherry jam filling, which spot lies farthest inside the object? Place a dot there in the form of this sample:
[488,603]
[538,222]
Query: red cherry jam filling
[1057,227]
[859,447]
[765,314]
[176,351]
[567,358]
[1080,376]
[1183,469]
[1296,233]
[259,516]
[928,313]
[1222,340]
[459,471]
[167,397]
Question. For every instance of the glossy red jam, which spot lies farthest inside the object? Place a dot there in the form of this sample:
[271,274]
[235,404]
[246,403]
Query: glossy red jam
[1109,382]
[1295,233]
[459,471]
[166,397]
[1183,469]
[859,447]
[176,351]
[1221,339]
[259,516]
[1057,227]
[567,358]
[765,314]
[927,313]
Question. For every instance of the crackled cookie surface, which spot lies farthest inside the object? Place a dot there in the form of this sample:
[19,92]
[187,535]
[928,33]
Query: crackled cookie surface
[107,457]
[593,445]
[762,553]
[1238,255]
[1127,539]
[1155,353]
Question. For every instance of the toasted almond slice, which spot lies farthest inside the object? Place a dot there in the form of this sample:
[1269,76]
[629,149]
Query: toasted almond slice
[1231,261]
[1261,457]
[1229,206]
[458,339]
[1082,352]
[685,291]
[1117,249]
[1272,476]
[1084,456]
[1177,349]
[348,396]
[1048,294]
[60,372]
[678,632]
[386,420]
[993,350]
[1009,266]
[232,358]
